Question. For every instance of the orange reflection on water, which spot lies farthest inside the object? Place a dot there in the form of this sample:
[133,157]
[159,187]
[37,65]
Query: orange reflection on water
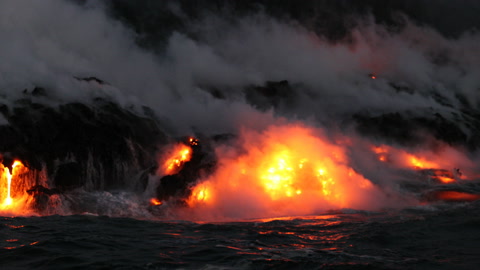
[322,237]
[19,246]
[277,232]
[248,253]
[15,226]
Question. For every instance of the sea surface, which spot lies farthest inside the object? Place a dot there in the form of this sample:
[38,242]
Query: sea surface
[443,236]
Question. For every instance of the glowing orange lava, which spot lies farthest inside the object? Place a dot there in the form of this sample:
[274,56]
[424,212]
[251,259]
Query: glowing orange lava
[8,198]
[421,163]
[382,152]
[193,141]
[200,194]
[278,179]
[443,176]
[457,196]
[179,154]
[444,179]
[155,201]
[385,153]
[283,170]
[439,166]
[12,202]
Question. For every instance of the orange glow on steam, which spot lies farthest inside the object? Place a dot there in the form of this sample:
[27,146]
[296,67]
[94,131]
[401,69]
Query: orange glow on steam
[382,152]
[284,170]
[201,193]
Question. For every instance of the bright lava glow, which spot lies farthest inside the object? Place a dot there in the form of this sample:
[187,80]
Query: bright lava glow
[457,196]
[180,154]
[282,171]
[440,167]
[420,163]
[8,200]
[192,141]
[9,175]
[155,201]
[200,194]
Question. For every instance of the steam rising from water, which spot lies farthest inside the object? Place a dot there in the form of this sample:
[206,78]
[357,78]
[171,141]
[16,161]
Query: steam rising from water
[290,169]
[50,42]
[287,169]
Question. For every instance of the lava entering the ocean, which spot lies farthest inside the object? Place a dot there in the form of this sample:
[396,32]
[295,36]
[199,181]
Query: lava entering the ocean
[285,170]
[12,195]
[434,165]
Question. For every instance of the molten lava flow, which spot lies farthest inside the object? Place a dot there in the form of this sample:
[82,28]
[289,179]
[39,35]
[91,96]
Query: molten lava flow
[155,201]
[179,154]
[9,202]
[420,163]
[440,166]
[442,176]
[290,170]
[284,170]
[455,196]
[400,157]
[200,194]
[278,180]
[8,199]
[444,179]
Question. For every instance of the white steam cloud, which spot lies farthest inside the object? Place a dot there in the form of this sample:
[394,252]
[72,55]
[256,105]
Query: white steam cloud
[48,43]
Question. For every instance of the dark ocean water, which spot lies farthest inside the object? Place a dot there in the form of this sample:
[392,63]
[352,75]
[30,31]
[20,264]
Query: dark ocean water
[430,237]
